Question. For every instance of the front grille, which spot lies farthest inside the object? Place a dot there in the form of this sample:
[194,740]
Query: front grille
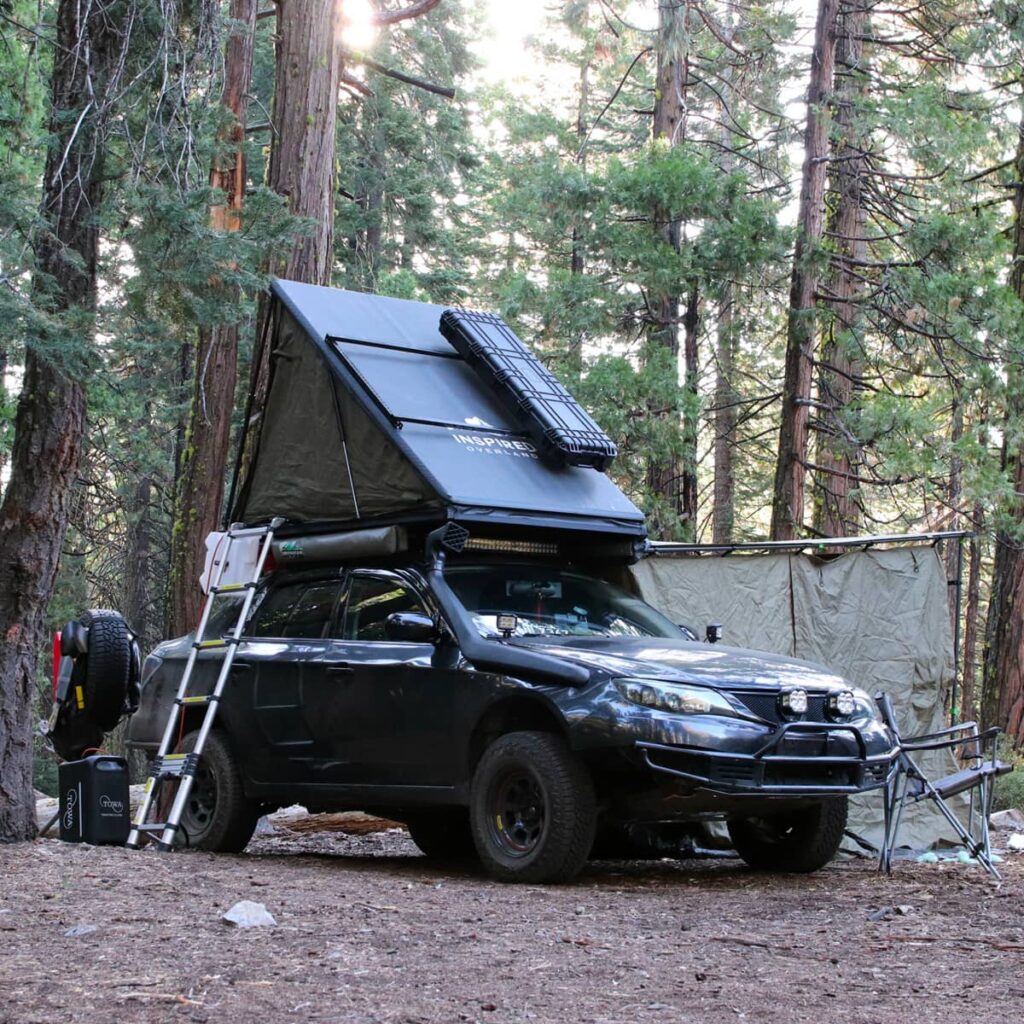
[811,775]
[766,705]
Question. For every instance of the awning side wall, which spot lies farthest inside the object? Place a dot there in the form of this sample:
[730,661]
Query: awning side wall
[880,618]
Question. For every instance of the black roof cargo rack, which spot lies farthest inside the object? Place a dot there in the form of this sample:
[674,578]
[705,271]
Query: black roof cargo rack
[372,418]
[562,431]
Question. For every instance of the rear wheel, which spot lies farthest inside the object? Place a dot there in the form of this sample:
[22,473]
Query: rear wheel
[218,815]
[442,833]
[798,841]
[532,809]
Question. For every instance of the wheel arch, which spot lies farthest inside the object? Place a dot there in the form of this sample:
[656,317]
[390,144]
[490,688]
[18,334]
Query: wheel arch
[519,713]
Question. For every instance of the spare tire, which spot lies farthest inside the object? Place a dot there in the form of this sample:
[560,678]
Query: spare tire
[107,671]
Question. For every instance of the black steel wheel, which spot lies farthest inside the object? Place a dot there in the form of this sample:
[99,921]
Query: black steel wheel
[532,809]
[797,841]
[442,833]
[218,815]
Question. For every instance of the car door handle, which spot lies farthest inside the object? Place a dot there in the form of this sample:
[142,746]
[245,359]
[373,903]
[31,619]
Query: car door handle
[241,666]
[340,670]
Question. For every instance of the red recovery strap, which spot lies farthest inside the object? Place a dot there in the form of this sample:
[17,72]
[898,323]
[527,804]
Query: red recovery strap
[56,662]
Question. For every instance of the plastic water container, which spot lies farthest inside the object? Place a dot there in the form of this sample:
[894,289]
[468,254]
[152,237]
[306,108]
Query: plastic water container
[94,800]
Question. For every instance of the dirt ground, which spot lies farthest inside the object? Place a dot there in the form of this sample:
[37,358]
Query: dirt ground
[370,931]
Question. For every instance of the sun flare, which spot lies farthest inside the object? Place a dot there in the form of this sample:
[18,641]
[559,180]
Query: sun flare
[358,29]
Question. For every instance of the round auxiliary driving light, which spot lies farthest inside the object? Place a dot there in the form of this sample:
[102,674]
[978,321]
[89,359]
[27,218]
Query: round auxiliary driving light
[794,702]
[842,704]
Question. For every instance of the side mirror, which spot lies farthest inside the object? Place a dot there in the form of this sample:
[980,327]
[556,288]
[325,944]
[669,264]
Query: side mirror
[713,633]
[411,627]
[689,633]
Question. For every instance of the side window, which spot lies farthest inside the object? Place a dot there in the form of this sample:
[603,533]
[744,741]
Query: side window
[371,599]
[312,612]
[295,610]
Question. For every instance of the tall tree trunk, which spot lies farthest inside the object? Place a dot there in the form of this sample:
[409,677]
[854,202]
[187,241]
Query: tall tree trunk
[50,420]
[691,411]
[3,402]
[967,709]
[837,512]
[790,468]
[665,474]
[199,482]
[1004,657]
[577,261]
[723,521]
[302,158]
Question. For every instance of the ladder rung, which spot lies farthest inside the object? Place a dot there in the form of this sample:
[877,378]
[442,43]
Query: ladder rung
[174,765]
[250,531]
[155,826]
[207,698]
[232,588]
[215,645]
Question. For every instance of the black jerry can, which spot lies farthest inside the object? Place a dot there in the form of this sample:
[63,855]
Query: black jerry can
[94,800]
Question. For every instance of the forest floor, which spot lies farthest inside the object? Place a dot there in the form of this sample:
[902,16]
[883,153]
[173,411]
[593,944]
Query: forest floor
[370,931]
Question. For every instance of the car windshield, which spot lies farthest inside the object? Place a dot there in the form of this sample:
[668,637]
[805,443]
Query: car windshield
[553,602]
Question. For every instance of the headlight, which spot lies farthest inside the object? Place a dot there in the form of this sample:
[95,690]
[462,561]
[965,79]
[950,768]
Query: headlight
[864,704]
[674,697]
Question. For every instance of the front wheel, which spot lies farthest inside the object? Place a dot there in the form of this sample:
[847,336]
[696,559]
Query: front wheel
[532,809]
[798,841]
[217,816]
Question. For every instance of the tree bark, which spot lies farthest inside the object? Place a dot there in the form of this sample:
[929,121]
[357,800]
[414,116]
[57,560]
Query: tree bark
[305,114]
[199,482]
[788,492]
[723,517]
[1004,657]
[50,420]
[302,159]
[968,711]
[837,511]
[665,474]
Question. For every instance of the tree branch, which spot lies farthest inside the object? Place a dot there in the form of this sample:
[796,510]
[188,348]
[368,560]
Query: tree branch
[414,10]
[358,58]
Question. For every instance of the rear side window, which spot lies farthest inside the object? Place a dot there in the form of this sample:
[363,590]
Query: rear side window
[312,612]
[371,599]
[296,610]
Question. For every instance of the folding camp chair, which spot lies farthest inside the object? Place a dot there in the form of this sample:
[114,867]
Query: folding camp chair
[910,785]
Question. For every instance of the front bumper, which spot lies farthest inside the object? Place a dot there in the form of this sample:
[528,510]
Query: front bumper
[800,759]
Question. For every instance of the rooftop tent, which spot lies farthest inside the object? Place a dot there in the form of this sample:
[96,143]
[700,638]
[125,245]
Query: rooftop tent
[371,415]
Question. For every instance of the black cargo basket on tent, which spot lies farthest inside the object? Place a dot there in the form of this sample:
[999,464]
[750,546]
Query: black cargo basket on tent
[562,431]
[371,417]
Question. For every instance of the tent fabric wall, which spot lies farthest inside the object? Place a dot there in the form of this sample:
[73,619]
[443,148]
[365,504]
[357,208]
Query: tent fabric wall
[878,617]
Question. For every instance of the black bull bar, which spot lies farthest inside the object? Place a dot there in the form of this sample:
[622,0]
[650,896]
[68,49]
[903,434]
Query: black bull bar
[767,772]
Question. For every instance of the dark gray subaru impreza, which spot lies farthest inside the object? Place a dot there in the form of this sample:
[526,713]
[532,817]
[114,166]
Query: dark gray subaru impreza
[518,710]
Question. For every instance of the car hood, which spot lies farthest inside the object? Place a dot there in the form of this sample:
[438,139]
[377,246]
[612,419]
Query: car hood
[685,661]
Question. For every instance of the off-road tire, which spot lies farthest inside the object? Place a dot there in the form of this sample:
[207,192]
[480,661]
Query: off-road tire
[442,833]
[218,816]
[797,841]
[552,783]
[108,667]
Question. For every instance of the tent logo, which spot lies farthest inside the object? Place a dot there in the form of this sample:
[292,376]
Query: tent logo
[489,444]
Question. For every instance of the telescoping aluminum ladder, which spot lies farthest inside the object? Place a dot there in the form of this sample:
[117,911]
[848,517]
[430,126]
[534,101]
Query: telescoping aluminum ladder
[168,766]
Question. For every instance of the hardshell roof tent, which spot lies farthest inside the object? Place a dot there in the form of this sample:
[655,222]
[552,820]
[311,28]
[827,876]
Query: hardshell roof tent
[372,417]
